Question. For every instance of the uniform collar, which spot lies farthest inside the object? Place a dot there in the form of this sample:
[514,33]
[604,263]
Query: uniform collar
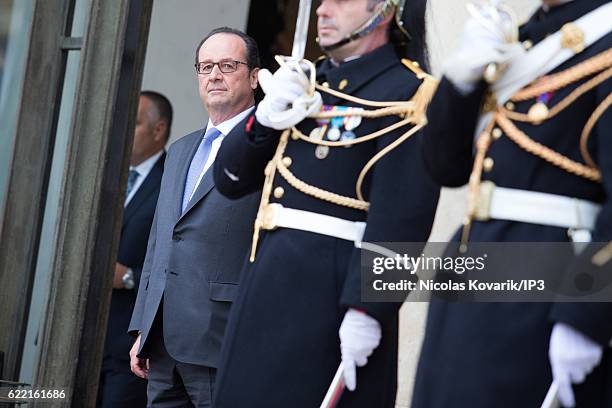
[355,73]
[544,23]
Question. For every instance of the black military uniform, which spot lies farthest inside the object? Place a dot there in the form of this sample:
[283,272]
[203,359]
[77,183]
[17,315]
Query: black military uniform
[496,354]
[282,347]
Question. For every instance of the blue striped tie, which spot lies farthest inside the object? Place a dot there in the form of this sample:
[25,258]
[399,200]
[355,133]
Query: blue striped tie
[197,163]
[132,177]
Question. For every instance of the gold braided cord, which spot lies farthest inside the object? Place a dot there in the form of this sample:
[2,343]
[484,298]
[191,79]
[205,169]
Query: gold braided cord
[562,79]
[482,145]
[354,99]
[361,139]
[267,190]
[543,152]
[565,102]
[319,192]
[380,154]
[586,132]
[411,112]
[406,109]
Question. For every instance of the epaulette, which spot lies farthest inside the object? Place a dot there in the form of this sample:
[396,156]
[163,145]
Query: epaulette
[320,59]
[414,67]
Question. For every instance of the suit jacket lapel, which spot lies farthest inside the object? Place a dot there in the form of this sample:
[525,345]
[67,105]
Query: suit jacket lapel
[179,185]
[146,188]
[207,183]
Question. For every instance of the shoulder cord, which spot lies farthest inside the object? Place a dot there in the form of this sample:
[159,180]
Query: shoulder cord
[504,117]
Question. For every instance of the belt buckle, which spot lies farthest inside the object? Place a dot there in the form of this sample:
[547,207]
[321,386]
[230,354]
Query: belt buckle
[269,216]
[483,204]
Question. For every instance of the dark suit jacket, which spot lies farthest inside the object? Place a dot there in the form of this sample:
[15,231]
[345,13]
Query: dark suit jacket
[193,261]
[137,219]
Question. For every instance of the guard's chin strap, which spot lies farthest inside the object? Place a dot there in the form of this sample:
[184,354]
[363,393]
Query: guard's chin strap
[384,9]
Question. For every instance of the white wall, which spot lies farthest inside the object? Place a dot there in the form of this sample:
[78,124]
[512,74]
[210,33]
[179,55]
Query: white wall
[177,26]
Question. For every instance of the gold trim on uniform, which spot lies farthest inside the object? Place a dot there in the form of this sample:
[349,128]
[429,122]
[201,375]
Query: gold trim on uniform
[572,37]
[279,192]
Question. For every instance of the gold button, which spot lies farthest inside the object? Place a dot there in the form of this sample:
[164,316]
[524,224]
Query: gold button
[510,106]
[527,44]
[321,152]
[279,192]
[325,84]
[496,133]
[488,164]
[295,135]
[342,84]
[287,161]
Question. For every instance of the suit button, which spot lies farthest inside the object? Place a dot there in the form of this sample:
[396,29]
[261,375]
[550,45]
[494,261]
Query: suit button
[177,237]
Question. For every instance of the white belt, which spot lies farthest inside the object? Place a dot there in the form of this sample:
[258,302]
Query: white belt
[275,215]
[535,207]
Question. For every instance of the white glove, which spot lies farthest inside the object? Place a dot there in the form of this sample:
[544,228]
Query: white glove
[572,357]
[482,42]
[287,102]
[359,336]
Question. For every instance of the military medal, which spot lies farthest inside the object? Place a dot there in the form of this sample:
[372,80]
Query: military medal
[539,111]
[321,152]
[333,134]
[316,133]
[351,122]
[347,135]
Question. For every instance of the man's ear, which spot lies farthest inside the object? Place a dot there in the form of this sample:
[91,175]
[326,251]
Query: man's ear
[253,78]
[160,130]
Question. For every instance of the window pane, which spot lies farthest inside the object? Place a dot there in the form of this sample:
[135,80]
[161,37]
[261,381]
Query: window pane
[44,264]
[15,18]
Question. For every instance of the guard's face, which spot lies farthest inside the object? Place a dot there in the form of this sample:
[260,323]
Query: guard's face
[338,18]
[229,93]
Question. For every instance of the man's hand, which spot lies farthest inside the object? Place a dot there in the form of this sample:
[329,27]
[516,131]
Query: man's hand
[572,357]
[485,40]
[139,366]
[287,101]
[359,335]
[120,270]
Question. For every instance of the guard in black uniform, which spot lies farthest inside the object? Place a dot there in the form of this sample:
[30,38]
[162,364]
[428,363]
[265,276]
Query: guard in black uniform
[546,148]
[352,172]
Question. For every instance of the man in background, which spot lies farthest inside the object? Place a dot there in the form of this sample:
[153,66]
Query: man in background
[118,386]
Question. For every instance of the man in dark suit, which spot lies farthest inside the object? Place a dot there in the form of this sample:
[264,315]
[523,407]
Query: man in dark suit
[199,239]
[118,386]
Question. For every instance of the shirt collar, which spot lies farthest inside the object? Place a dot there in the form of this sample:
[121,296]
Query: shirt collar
[145,167]
[228,125]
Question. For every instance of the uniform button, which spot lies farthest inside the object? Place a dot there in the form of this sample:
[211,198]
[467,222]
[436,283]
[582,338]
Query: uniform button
[287,161]
[279,192]
[325,84]
[342,84]
[496,133]
[510,106]
[177,237]
[321,152]
[527,44]
[487,164]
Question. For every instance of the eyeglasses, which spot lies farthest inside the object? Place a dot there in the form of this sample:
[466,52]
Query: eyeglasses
[225,66]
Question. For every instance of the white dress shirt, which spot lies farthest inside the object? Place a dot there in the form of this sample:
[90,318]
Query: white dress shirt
[224,128]
[143,170]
